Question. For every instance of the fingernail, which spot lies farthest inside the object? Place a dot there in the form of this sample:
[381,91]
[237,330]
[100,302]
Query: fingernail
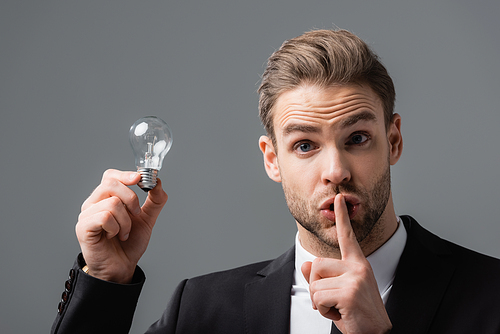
[132,176]
[125,237]
[137,211]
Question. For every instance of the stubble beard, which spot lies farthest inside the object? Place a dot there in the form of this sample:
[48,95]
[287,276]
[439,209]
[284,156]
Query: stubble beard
[368,226]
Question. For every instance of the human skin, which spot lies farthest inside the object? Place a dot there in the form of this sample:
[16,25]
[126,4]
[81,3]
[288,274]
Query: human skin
[345,290]
[334,140]
[113,229]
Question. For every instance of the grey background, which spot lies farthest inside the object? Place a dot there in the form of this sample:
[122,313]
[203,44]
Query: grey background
[75,75]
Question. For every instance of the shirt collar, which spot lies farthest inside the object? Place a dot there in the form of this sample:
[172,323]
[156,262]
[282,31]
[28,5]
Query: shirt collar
[383,261]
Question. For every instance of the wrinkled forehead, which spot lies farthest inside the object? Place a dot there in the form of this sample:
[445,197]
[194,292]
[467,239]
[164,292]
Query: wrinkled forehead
[314,105]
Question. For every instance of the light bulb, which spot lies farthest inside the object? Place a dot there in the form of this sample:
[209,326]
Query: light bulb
[151,140]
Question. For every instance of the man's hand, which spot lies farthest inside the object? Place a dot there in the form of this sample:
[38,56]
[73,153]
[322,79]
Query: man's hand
[113,230]
[345,290]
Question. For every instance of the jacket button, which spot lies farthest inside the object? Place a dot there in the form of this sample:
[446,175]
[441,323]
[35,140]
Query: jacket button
[60,307]
[64,297]
[68,285]
[72,274]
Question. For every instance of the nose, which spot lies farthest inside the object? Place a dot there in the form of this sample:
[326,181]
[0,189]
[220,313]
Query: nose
[335,168]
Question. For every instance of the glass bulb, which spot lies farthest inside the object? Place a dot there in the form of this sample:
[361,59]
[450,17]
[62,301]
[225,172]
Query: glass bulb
[151,140]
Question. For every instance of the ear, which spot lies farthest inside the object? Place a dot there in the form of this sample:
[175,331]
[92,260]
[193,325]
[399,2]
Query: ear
[395,139]
[270,158]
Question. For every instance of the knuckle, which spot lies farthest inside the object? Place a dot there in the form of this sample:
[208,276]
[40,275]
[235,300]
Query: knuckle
[105,216]
[364,272]
[163,196]
[109,182]
[357,271]
[115,202]
[319,298]
[313,287]
[80,218]
[86,204]
[316,263]
[314,297]
[351,293]
[107,173]
[77,228]
[130,197]
[160,198]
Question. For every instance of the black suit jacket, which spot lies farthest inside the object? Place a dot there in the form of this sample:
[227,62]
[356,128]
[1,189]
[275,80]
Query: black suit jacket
[439,287]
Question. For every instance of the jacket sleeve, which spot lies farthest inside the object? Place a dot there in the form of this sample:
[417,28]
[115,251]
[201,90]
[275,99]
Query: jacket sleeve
[91,305]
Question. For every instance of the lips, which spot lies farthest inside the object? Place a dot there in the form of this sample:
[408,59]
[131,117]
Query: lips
[352,203]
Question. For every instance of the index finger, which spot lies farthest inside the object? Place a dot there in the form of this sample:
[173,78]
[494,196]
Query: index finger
[115,183]
[348,244]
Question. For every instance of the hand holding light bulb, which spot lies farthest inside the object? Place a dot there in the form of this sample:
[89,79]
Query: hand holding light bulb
[113,229]
[151,140]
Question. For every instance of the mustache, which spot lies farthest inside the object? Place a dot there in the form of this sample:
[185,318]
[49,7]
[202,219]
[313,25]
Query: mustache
[346,188]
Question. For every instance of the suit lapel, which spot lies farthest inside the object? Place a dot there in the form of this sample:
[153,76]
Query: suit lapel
[423,274]
[267,298]
[424,271]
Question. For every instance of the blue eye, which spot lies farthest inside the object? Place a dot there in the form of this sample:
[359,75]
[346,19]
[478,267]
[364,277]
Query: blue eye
[305,147]
[358,139]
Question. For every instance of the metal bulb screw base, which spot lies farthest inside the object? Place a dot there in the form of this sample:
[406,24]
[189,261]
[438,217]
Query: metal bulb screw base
[148,178]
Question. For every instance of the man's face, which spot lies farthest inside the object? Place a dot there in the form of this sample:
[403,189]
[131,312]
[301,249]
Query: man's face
[332,140]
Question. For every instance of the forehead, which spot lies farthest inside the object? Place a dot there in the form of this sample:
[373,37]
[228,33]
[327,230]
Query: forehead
[314,105]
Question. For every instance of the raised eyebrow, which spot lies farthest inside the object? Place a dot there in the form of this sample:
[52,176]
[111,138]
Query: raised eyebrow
[300,128]
[353,119]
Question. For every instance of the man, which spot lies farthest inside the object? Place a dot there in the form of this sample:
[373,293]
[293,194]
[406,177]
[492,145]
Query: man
[327,105]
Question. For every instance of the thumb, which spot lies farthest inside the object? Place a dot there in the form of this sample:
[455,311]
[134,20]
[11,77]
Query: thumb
[306,270]
[155,201]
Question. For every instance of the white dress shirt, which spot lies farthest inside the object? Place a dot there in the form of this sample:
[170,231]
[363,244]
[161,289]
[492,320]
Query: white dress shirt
[304,319]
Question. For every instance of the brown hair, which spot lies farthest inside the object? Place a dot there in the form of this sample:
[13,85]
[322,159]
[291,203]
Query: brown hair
[324,58]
